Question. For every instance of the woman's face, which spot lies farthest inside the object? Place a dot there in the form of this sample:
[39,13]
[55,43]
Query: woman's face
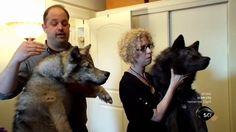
[144,52]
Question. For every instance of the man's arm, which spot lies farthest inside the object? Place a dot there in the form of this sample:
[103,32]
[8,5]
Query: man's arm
[8,77]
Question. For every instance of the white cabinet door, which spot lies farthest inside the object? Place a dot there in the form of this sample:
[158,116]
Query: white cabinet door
[158,25]
[209,26]
[105,31]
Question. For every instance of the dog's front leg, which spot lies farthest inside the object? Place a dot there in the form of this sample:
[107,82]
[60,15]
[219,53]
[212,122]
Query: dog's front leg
[103,95]
[59,116]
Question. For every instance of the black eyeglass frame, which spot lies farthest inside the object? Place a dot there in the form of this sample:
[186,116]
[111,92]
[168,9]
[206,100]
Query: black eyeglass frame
[143,48]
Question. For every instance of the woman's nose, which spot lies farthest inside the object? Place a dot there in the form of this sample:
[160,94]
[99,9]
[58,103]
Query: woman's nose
[148,50]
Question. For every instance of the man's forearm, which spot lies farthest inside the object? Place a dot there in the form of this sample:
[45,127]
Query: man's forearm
[8,78]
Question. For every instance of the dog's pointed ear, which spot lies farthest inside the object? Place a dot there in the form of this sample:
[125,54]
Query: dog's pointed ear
[195,45]
[74,55]
[179,43]
[85,50]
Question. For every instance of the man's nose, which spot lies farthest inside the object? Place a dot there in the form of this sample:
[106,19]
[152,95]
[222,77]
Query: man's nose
[59,26]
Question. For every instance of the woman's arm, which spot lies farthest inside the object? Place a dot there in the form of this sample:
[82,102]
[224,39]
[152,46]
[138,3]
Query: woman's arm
[161,108]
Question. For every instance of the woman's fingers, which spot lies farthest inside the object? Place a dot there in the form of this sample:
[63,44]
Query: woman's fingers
[177,79]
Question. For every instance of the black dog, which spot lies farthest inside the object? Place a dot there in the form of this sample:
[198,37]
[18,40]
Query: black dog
[181,115]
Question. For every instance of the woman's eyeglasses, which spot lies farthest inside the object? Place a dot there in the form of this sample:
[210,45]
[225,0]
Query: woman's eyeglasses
[143,48]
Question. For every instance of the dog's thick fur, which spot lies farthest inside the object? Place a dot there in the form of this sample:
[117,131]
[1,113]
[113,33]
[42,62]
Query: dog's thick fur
[44,104]
[181,115]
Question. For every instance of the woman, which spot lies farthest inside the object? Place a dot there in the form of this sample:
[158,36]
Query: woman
[140,99]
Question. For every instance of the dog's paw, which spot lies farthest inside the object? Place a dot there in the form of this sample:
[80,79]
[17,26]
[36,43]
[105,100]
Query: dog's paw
[104,95]
[106,98]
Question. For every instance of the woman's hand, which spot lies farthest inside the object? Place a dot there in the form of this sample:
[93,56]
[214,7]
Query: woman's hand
[176,79]
[26,50]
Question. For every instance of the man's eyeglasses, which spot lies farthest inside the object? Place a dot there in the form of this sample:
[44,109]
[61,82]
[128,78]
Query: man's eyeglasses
[143,48]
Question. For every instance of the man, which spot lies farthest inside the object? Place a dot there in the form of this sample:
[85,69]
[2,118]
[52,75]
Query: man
[15,75]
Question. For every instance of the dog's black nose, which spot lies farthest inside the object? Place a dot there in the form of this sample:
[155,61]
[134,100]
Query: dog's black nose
[206,61]
[107,74]
[207,58]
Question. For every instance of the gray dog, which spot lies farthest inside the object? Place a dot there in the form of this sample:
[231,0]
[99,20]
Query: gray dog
[45,102]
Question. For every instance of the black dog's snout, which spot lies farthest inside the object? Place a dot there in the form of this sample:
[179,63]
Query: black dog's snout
[205,62]
[207,58]
[107,74]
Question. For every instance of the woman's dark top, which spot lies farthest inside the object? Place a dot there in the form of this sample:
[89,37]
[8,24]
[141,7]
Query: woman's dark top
[138,103]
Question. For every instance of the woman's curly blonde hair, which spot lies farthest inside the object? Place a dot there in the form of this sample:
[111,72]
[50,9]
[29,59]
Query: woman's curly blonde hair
[129,43]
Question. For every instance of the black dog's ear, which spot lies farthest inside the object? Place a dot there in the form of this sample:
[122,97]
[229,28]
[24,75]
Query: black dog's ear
[179,43]
[195,45]
[74,55]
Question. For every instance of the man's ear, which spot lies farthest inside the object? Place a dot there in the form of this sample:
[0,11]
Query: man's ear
[179,43]
[44,27]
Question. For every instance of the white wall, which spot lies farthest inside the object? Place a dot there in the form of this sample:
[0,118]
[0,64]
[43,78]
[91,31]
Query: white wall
[208,24]
[74,10]
[93,5]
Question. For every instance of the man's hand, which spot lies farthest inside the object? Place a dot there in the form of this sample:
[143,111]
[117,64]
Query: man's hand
[26,50]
